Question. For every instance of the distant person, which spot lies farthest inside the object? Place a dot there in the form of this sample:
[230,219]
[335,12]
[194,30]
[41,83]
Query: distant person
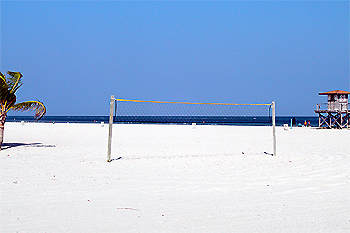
[308,123]
[294,122]
[305,123]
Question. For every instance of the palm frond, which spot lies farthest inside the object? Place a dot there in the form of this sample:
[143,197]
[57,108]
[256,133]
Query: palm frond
[2,77]
[14,82]
[3,82]
[7,99]
[37,106]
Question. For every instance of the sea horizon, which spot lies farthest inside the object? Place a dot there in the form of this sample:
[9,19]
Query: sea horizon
[212,120]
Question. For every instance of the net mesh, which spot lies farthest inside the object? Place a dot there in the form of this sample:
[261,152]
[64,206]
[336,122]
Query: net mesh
[137,111]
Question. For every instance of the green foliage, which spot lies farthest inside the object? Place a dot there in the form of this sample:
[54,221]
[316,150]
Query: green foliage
[9,86]
[14,81]
[36,106]
[8,97]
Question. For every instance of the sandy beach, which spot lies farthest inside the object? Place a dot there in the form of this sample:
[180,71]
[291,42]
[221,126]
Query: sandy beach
[173,178]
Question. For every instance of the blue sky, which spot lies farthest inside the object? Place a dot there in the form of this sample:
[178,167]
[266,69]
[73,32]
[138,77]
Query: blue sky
[75,54]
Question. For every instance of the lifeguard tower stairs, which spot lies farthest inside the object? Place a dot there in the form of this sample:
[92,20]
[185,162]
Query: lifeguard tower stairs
[337,114]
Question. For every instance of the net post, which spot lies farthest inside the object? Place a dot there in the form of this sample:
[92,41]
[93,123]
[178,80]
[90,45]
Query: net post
[111,113]
[273,108]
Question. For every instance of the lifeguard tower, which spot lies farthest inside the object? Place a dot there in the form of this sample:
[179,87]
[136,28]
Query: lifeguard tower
[337,114]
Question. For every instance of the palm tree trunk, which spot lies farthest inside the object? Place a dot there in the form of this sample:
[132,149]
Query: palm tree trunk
[2,125]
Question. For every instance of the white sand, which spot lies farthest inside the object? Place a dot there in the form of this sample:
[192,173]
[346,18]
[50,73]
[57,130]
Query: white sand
[173,178]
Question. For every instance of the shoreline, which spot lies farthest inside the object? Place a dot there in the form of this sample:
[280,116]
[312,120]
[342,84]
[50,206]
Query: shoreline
[280,121]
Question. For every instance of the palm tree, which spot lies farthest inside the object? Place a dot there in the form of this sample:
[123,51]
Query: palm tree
[9,86]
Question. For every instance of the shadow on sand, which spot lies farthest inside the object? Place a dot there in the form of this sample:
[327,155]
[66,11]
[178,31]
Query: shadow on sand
[12,145]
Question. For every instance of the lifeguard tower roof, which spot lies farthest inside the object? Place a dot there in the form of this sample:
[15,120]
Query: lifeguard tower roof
[335,92]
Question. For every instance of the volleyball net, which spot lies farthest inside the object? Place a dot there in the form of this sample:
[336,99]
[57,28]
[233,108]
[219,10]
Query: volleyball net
[163,112]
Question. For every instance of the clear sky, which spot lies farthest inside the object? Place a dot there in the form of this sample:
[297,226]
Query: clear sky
[75,54]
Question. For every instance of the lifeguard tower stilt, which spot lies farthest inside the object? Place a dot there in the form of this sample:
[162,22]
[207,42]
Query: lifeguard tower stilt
[337,114]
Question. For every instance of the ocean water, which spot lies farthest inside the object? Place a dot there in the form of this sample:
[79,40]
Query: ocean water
[220,120]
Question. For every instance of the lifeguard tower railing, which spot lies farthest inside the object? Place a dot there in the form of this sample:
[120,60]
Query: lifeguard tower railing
[331,107]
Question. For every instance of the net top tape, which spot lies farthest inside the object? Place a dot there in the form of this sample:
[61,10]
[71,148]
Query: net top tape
[167,102]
